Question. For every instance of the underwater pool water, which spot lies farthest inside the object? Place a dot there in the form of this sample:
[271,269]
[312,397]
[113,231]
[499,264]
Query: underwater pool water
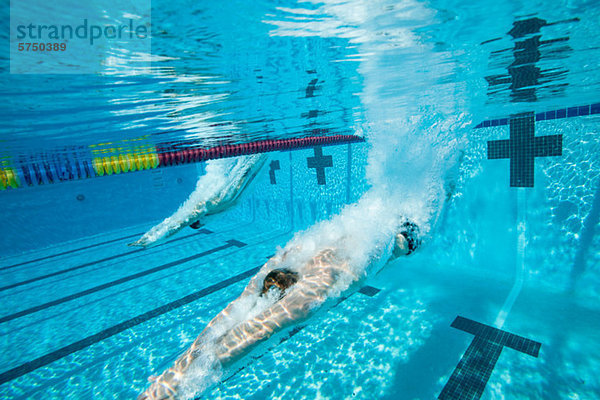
[478,121]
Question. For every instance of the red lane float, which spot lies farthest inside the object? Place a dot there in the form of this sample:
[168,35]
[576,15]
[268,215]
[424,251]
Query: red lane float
[190,155]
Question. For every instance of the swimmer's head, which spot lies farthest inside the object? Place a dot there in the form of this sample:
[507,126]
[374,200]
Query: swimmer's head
[407,240]
[400,246]
[280,278]
[196,225]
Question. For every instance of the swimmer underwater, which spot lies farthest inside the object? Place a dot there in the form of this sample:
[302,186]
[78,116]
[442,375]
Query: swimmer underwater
[218,189]
[282,294]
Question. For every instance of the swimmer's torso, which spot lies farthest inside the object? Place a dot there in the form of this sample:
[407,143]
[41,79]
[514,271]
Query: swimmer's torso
[229,339]
[317,279]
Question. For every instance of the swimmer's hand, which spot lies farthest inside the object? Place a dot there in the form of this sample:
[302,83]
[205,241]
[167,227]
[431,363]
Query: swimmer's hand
[141,242]
[161,389]
[160,232]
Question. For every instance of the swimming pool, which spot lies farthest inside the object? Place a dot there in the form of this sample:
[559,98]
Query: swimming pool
[479,120]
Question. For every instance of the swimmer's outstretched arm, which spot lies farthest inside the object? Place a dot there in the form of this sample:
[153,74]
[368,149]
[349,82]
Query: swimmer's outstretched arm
[217,190]
[167,384]
[304,298]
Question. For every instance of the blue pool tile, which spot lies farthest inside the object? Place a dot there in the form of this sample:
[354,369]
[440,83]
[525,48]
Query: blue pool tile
[577,111]
[572,112]
[73,250]
[88,264]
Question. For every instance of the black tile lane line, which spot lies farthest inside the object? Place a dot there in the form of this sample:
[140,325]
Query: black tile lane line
[48,316]
[498,336]
[22,313]
[97,267]
[123,326]
[64,271]
[118,350]
[68,252]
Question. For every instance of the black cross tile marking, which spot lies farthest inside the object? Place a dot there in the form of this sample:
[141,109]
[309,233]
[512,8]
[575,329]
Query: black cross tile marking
[475,367]
[523,74]
[312,86]
[311,114]
[526,27]
[522,148]
[236,243]
[473,371]
[369,290]
[498,336]
[319,162]
[274,166]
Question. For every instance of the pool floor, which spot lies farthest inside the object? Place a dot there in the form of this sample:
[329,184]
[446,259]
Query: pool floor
[94,318]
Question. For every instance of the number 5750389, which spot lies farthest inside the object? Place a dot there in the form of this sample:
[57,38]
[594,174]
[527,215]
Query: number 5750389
[23,46]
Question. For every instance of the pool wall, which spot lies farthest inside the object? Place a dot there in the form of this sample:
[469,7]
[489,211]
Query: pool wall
[48,215]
